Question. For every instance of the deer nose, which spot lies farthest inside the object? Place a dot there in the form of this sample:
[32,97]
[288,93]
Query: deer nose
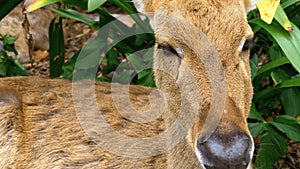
[230,151]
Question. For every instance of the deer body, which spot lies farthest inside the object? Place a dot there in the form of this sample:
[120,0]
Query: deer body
[54,124]
[40,128]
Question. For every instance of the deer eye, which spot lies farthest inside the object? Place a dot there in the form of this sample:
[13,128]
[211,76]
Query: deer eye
[169,50]
[248,44]
[245,44]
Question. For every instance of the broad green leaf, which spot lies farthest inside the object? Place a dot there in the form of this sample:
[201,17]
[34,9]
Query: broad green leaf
[288,125]
[273,64]
[290,100]
[293,82]
[288,41]
[272,146]
[275,52]
[90,55]
[266,93]
[271,91]
[138,62]
[279,75]
[94,4]
[256,128]
[254,114]
[124,74]
[282,19]
[146,78]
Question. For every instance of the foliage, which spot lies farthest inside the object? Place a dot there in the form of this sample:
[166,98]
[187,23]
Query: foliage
[123,57]
[8,65]
[275,67]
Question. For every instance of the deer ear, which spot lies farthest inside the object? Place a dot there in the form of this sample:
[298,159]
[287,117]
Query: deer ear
[250,4]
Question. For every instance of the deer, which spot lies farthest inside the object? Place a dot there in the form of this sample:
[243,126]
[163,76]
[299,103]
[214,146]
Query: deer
[196,118]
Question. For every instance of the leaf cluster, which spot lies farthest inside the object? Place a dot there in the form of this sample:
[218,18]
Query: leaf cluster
[275,66]
[8,65]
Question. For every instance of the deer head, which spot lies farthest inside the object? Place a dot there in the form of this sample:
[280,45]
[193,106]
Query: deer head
[201,64]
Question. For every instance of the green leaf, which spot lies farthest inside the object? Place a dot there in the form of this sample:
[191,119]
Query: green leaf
[282,19]
[288,125]
[254,114]
[271,91]
[288,41]
[272,146]
[3,64]
[138,62]
[254,66]
[146,78]
[56,47]
[125,5]
[72,14]
[94,4]
[288,3]
[8,42]
[33,5]
[15,70]
[68,68]
[275,52]
[273,64]
[256,128]
[266,93]
[294,82]
[6,6]
[112,62]
[124,74]
[290,100]
[279,75]
[90,54]
[10,66]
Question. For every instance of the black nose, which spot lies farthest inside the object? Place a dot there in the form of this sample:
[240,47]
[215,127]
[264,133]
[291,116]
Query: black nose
[230,151]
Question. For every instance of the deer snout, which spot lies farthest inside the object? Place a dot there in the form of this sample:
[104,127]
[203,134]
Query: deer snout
[230,151]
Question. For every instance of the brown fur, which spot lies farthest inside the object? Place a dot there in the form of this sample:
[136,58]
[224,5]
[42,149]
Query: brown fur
[39,122]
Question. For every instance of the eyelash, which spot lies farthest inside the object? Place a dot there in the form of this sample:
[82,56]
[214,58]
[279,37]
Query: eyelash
[248,44]
[168,49]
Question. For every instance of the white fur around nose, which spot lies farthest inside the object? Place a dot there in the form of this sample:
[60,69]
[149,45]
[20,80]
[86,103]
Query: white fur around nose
[230,152]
